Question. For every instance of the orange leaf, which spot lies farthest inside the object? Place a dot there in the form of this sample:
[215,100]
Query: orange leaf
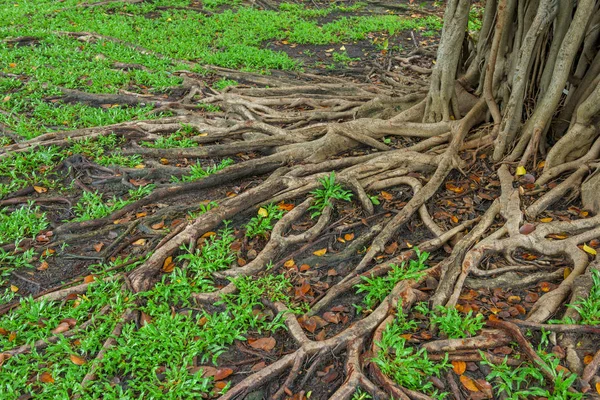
[320,253]
[98,247]
[223,373]
[89,279]
[43,266]
[139,242]
[40,189]
[304,267]
[469,383]
[387,196]
[459,367]
[391,248]
[588,359]
[158,225]
[168,264]
[286,207]
[14,288]
[75,359]
[349,236]
[46,377]
[208,234]
[546,220]
[266,344]
[12,336]
[453,188]
[220,384]
[289,263]
[545,286]
[598,387]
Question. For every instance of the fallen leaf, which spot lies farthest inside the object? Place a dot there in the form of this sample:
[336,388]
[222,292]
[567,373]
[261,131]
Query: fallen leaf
[98,247]
[62,327]
[566,272]
[77,360]
[526,229]
[332,272]
[456,189]
[12,336]
[220,385]
[589,250]
[258,366]
[139,242]
[208,234]
[469,383]
[308,323]
[386,196]
[145,319]
[521,170]
[164,161]
[43,266]
[40,189]
[459,367]
[320,253]
[3,332]
[545,286]
[598,387]
[168,264]
[546,220]
[263,212]
[14,288]
[222,373]
[289,263]
[45,377]
[286,207]
[158,225]
[140,166]
[391,248]
[89,279]
[321,335]
[304,267]
[331,317]
[241,262]
[141,214]
[349,236]
[266,344]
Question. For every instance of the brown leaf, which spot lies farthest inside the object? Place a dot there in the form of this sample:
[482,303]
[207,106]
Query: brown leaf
[69,321]
[43,266]
[62,327]
[469,383]
[331,317]
[12,336]
[258,366]
[545,286]
[145,319]
[386,196]
[456,189]
[526,229]
[40,189]
[168,264]
[241,262]
[3,332]
[98,247]
[588,359]
[308,323]
[77,360]
[332,272]
[45,377]
[391,248]
[349,236]
[220,385]
[289,263]
[304,267]
[158,225]
[459,367]
[303,289]
[266,344]
[331,376]
[321,335]
[223,373]
[286,207]
[89,279]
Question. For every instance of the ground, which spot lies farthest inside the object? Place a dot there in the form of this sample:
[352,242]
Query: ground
[147,252]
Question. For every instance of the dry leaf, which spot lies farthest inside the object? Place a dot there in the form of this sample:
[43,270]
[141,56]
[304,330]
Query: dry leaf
[456,189]
[349,236]
[386,196]
[12,336]
[14,288]
[241,262]
[391,248]
[208,234]
[139,242]
[598,387]
[141,214]
[469,383]
[89,279]
[266,344]
[331,317]
[332,272]
[164,161]
[320,253]
[521,170]
[566,272]
[588,359]
[158,225]
[589,250]
[77,360]
[304,267]
[62,327]
[286,207]
[222,373]
[168,264]
[546,220]
[98,247]
[43,266]
[263,212]
[40,189]
[289,263]
[459,367]
[526,229]
[258,366]
[45,377]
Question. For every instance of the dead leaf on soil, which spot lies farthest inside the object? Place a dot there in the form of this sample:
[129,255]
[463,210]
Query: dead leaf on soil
[77,360]
[349,236]
[320,253]
[43,266]
[266,344]
[40,189]
[391,248]
[45,377]
[168,265]
[331,317]
[469,383]
[459,367]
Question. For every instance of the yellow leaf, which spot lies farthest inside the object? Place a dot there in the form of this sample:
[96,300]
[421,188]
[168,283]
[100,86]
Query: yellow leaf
[289,263]
[208,234]
[548,219]
[139,242]
[567,272]
[459,367]
[598,387]
[40,189]
[589,250]
[521,170]
[263,212]
[14,288]
[164,161]
[469,383]
[140,166]
[202,134]
[320,253]
[168,264]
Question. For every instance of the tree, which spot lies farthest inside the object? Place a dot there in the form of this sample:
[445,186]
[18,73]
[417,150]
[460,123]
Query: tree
[529,88]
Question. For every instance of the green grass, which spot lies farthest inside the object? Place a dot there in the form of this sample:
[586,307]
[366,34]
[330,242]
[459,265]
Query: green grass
[92,205]
[263,222]
[198,172]
[329,190]
[24,222]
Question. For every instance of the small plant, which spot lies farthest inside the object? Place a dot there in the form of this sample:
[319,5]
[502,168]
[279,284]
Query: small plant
[197,172]
[377,288]
[203,209]
[343,58]
[454,325]
[330,190]
[589,308]
[408,367]
[223,83]
[91,205]
[360,395]
[264,220]
[24,222]
[174,140]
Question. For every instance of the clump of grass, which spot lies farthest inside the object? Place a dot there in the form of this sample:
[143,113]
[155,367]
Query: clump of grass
[263,222]
[453,324]
[24,222]
[91,205]
[330,190]
[589,308]
[197,172]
